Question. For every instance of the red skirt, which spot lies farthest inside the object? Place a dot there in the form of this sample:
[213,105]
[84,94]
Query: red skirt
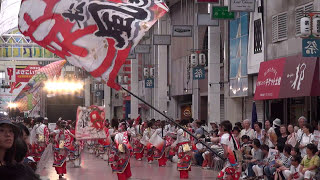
[62,169]
[163,160]
[139,155]
[126,174]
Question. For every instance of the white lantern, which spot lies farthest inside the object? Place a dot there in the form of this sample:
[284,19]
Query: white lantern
[120,79]
[202,59]
[125,79]
[316,26]
[194,59]
[152,72]
[146,72]
[305,26]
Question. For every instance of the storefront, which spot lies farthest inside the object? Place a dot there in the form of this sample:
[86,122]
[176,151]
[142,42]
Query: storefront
[290,88]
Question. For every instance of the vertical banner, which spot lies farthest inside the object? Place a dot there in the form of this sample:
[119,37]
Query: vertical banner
[10,74]
[90,123]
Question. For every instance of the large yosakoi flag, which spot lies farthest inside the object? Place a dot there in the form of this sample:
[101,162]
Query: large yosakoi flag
[96,35]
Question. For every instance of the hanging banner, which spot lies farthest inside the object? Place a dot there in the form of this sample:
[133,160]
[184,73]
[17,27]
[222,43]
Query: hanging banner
[25,73]
[9,15]
[90,123]
[311,47]
[149,83]
[241,5]
[94,35]
[199,73]
[10,75]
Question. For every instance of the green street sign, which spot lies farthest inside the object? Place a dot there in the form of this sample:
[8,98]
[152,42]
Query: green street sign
[221,12]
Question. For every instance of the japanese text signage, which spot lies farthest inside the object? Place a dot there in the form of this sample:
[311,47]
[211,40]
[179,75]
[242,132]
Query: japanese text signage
[199,73]
[221,12]
[149,83]
[25,73]
[310,47]
[242,5]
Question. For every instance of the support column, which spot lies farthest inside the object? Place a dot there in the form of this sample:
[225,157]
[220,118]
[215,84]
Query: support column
[214,74]
[162,71]
[195,83]
[87,91]
[107,102]
[134,89]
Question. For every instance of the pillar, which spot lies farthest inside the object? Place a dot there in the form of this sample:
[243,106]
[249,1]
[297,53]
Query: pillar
[162,71]
[107,102]
[134,89]
[214,74]
[87,92]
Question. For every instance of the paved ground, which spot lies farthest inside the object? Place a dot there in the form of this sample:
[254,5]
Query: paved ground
[93,168]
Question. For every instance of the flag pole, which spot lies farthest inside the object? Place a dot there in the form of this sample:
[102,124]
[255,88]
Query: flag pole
[200,141]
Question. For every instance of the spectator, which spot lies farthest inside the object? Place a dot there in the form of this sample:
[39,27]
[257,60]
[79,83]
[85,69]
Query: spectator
[259,132]
[292,140]
[310,162]
[267,159]
[256,157]
[294,171]
[276,126]
[295,151]
[236,133]
[245,146]
[199,133]
[214,126]
[238,124]
[307,138]
[301,121]
[270,136]
[247,129]
[283,138]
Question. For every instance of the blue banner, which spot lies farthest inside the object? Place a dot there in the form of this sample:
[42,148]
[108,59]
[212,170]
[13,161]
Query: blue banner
[199,73]
[310,47]
[149,83]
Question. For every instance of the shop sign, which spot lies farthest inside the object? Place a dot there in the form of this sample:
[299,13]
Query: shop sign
[205,20]
[207,1]
[149,83]
[199,73]
[242,5]
[142,49]
[182,31]
[25,73]
[269,79]
[161,39]
[221,12]
[298,76]
[311,47]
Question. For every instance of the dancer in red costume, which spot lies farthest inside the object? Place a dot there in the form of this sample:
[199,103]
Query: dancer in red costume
[39,138]
[184,151]
[232,170]
[147,133]
[120,158]
[63,142]
[105,143]
[136,135]
[160,146]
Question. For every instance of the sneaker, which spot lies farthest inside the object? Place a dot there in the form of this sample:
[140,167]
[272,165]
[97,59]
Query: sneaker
[139,159]
[149,162]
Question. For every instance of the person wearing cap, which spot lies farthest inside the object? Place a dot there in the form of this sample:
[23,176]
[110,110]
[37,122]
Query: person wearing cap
[8,134]
[247,129]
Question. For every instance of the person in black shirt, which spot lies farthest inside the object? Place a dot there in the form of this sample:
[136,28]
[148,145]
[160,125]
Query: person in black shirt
[284,134]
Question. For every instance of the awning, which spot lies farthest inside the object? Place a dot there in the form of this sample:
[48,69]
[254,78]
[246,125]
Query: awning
[293,76]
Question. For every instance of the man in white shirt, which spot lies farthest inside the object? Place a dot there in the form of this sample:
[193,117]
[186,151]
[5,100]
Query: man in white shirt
[294,171]
[301,121]
[247,129]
